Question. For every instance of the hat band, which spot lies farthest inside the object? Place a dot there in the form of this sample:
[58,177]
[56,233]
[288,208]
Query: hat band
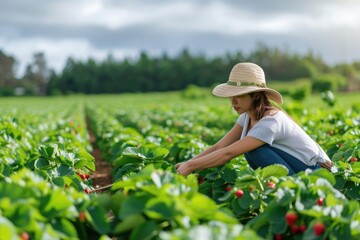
[246,84]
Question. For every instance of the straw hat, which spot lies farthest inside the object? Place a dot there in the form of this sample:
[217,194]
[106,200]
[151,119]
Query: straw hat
[246,78]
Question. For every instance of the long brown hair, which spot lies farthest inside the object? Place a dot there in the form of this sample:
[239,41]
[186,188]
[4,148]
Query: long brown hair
[261,104]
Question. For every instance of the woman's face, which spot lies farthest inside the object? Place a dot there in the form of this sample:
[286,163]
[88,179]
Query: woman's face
[241,104]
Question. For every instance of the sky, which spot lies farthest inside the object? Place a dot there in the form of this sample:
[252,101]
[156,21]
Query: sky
[96,28]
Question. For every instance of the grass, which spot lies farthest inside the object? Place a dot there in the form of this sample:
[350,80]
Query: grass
[141,100]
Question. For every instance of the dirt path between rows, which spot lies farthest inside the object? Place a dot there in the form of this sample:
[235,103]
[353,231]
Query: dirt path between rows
[102,175]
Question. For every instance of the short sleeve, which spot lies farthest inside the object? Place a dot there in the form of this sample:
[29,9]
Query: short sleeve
[241,119]
[266,130]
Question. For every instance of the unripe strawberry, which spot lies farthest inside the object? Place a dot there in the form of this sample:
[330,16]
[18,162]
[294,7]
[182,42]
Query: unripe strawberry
[251,188]
[319,228]
[271,185]
[331,132]
[239,193]
[320,201]
[291,218]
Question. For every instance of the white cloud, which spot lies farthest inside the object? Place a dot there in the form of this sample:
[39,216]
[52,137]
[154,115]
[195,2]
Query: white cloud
[58,51]
[28,26]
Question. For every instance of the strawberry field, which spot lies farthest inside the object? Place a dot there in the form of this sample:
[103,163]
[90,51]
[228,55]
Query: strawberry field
[46,172]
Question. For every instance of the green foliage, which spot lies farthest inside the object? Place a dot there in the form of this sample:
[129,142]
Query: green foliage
[43,148]
[195,92]
[301,90]
[328,97]
[325,82]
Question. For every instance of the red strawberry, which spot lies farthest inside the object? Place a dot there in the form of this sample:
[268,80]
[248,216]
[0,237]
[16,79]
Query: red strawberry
[228,188]
[353,159]
[239,193]
[302,228]
[82,216]
[320,201]
[200,179]
[278,237]
[87,190]
[319,228]
[295,229]
[291,218]
[87,176]
[24,236]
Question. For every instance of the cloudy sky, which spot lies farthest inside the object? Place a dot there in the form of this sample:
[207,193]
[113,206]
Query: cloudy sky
[95,28]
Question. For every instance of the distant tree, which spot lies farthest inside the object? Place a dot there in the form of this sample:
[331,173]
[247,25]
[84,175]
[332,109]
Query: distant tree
[8,81]
[37,74]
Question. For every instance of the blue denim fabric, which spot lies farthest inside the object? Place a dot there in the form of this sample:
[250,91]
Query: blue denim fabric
[267,155]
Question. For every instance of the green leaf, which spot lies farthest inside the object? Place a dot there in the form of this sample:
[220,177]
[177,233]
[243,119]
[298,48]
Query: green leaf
[133,205]
[85,155]
[348,153]
[7,229]
[203,206]
[42,163]
[100,219]
[245,201]
[324,173]
[145,230]
[130,222]
[65,170]
[123,160]
[58,181]
[337,156]
[162,208]
[48,151]
[228,174]
[64,228]
[56,204]
[274,171]
[90,166]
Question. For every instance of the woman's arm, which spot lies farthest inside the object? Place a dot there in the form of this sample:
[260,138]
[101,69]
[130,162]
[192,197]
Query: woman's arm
[232,136]
[220,156]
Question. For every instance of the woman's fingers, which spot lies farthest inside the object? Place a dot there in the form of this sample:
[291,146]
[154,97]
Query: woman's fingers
[327,164]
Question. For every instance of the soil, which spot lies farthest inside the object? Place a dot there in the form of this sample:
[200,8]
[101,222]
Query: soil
[101,178]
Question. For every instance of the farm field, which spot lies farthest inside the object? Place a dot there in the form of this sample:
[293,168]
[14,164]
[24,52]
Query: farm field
[47,171]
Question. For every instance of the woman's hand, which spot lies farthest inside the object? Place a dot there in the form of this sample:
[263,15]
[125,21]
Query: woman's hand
[183,168]
[327,164]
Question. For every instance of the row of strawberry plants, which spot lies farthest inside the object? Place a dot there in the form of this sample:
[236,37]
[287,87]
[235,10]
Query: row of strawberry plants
[155,201]
[226,184]
[45,165]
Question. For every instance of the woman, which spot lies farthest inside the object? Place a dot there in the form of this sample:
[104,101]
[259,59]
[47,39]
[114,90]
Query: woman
[265,134]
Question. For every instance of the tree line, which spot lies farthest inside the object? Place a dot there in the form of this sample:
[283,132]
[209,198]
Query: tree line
[147,73]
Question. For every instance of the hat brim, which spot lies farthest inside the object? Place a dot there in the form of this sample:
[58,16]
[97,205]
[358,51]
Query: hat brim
[225,90]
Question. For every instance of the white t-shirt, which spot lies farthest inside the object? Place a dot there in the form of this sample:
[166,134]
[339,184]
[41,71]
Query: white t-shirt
[281,132]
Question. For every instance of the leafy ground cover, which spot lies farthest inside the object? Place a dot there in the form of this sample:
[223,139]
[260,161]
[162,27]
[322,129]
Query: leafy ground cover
[48,173]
